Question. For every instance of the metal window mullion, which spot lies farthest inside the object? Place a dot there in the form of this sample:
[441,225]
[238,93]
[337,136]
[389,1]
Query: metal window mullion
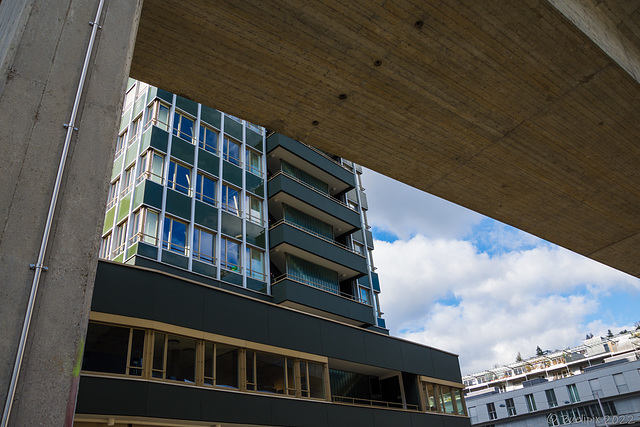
[129,350]
[215,362]
[243,198]
[219,186]
[165,181]
[194,182]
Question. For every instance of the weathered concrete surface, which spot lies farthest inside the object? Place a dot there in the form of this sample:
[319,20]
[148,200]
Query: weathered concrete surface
[42,46]
[505,107]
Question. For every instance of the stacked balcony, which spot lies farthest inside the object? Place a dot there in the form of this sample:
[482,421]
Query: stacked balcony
[313,266]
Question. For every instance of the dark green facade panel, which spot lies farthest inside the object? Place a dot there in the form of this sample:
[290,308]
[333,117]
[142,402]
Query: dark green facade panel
[108,219]
[254,140]
[208,162]
[206,215]
[283,183]
[255,184]
[147,250]
[288,290]
[232,174]
[231,225]
[232,128]
[204,268]
[183,150]
[178,204]
[129,291]
[375,280]
[256,285]
[154,92]
[174,259]
[256,235]
[369,239]
[311,156]
[154,137]
[285,233]
[210,116]
[152,194]
[187,105]
[231,277]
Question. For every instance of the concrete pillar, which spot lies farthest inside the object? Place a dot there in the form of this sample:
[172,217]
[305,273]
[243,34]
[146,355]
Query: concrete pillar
[42,48]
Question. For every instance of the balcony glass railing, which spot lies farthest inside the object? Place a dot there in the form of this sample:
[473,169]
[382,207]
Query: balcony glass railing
[318,285]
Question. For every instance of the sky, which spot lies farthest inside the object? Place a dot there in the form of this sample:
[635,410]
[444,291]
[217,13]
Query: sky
[461,282]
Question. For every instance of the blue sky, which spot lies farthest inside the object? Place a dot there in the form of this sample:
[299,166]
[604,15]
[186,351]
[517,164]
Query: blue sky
[462,282]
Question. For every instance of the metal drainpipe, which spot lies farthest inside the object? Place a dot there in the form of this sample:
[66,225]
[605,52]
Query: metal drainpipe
[39,267]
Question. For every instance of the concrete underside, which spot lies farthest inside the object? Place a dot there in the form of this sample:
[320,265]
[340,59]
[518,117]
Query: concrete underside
[505,107]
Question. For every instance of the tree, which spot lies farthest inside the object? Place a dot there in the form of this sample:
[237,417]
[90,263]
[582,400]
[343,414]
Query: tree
[637,326]
[539,351]
[519,357]
[609,333]
[624,331]
[589,336]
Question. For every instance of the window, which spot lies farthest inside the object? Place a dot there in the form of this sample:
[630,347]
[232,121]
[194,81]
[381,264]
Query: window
[206,189]
[311,379]
[596,388]
[312,274]
[231,199]
[203,245]
[364,294]
[174,236]
[183,127]
[145,226]
[112,199]
[174,358]
[511,407]
[254,162]
[573,393]
[121,238]
[254,209]
[208,139]
[179,177]
[113,349]
[491,409]
[105,246]
[265,372]
[221,365]
[127,182]
[231,150]
[621,383]
[551,398]
[158,115]
[128,98]
[151,167]
[531,402]
[134,130]
[120,143]
[358,248]
[230,255]
[142,87]
[255,263]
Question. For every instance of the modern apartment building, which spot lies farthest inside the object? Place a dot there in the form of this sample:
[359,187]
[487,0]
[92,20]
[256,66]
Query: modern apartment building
[238,287]
[596,383]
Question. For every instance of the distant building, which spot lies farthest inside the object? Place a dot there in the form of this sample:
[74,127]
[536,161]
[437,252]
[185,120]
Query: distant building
[594,383]
[238,287]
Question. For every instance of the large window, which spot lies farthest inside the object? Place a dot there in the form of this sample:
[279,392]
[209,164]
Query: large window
[208,139]
[231,150]
[145,226]
[265,372]
[174,236]
[255,263]
[221,365]
[312,274]
[363,293]
[129,96]
[230,255]
[203,245]
[121,238]
[120,143]
[113,349]
[158,115]
[135,129]
[443,398]
[511,407]
[254,209]
[491,409]
[113,193]
[174,358]
[551,398]
[179,177]
[105,246]
[152,166]
[231,199]
[127,182]
[206,189]
[573,393]
[183,127]
[531,402]
[305,177]
[621,383]
[254,162]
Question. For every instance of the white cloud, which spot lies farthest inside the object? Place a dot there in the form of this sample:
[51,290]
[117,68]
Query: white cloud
[497,306]
[405,211]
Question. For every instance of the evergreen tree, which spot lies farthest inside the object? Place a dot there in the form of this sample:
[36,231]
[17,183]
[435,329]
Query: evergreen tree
[519,357]
[609,333]
[539,351]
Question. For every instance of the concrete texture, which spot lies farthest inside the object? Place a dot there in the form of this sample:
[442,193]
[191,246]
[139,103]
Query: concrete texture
[42,54]
[525,111]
